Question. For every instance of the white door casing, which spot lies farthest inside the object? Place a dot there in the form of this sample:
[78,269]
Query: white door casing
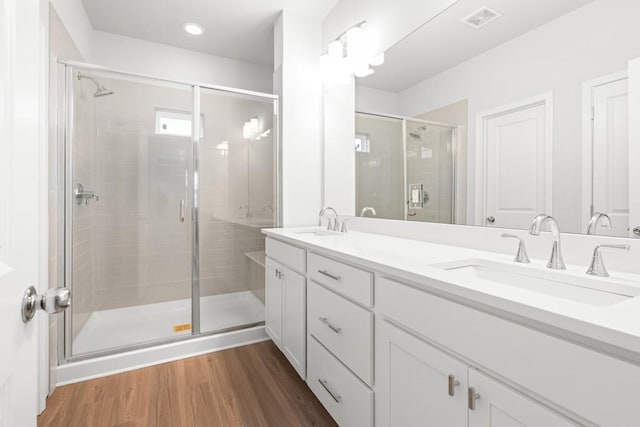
[634,146]
[22,207]
[514,163]
[605,150]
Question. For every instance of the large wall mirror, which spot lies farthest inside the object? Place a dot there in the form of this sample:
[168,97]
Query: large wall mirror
[497,110]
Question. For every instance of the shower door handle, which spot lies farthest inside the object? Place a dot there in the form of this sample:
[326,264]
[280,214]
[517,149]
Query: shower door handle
[182,210]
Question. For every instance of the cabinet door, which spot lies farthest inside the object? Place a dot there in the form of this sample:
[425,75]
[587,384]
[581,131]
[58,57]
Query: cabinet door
[294,324]
[273,301]
[413,382]
[500,406]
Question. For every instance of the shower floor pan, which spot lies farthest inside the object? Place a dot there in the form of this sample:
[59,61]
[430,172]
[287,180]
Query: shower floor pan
[123,327]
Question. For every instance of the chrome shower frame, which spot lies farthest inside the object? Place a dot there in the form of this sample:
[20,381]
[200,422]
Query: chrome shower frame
[66,198]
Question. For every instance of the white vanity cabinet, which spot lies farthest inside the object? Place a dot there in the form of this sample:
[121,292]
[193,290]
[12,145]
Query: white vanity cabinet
[286,301]
[419,385]
[388,351]
[496,405]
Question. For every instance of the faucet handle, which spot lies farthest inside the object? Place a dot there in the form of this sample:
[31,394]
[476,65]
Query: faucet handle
[521,255]
[597,267]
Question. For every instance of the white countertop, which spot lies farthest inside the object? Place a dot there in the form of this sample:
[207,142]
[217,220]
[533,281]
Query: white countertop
[614,329]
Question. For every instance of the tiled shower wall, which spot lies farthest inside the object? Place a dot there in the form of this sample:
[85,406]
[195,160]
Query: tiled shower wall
[379,172]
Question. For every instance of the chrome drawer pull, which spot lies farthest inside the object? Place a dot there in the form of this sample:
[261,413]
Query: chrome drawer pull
[452,384]
[326,273]
[472,397]
[329,325]
[325,384]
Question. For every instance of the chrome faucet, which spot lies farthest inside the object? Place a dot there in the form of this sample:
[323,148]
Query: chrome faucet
[555,262]
[597,267]
[335,226]
[368,209]
[595,219]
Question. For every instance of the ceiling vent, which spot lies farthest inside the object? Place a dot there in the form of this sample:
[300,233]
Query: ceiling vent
[481,17]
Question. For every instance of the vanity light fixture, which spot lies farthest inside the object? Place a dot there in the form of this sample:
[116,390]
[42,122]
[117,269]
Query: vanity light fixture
[193,28]
[351,53]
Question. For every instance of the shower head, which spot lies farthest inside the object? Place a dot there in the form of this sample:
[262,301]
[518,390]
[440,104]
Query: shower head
[417,134]
[100,90]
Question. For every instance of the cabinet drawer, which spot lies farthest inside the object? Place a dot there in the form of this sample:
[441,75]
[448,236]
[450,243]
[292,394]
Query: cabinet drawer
[291,256]
[565,374]
[347,399]
[349,281]
[342,327]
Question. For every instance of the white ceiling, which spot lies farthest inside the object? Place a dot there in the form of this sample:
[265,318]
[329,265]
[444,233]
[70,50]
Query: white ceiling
[238,29]
[445,41]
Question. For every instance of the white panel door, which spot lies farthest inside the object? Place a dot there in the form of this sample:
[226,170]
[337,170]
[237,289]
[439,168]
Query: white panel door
[516,169]
[294,319]
[273,301]
[634,148]
[21,62]
[610,155]
[499,406]
[412,382]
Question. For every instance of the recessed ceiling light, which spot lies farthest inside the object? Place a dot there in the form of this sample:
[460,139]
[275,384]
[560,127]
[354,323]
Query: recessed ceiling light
[193,29]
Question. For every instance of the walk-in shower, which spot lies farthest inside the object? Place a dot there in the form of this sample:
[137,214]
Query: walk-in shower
[405,168]
[167,186]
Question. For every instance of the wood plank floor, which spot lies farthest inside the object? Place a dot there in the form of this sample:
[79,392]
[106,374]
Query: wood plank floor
[249,386]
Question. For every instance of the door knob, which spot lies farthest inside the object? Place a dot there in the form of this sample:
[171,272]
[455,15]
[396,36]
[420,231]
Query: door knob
[636,231]
[491,220]
[52,301]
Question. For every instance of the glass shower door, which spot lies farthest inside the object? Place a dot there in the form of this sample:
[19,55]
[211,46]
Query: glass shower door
[237,198]
[430,172]
[129,175]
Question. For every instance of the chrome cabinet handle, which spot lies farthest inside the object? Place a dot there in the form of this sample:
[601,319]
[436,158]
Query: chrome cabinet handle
[326,273]
[329,325]
[491,220]
[182,210]
[325,384]
[452,384]
[472,397]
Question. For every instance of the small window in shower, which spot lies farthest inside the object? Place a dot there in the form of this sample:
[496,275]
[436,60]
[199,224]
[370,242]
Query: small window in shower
[363,144]
[175,123]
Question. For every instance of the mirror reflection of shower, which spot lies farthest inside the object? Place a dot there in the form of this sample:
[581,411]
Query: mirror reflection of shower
[100,89]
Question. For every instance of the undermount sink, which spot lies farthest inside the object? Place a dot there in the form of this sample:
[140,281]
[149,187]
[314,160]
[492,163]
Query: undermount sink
[585,290]
[320,232]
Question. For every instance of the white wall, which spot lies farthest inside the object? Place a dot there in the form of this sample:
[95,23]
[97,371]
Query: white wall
[143,57]
[370,100]
[297,81]
[592,41]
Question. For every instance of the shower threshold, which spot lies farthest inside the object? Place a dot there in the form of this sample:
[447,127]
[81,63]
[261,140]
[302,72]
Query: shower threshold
[130,326]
